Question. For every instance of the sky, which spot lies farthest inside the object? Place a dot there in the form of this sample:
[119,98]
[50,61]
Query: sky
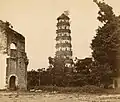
[36,20]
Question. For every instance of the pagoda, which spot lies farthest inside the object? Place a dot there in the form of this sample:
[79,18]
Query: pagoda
[63,39]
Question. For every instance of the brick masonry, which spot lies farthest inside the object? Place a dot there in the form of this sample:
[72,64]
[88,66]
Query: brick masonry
[16,60]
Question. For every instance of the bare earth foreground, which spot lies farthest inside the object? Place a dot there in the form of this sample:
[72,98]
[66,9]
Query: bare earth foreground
[50,97]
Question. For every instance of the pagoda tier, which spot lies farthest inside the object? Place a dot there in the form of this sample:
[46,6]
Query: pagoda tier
[64,37]
[65,54]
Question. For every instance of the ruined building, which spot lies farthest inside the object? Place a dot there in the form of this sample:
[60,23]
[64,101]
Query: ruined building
[63,40]
[13,59]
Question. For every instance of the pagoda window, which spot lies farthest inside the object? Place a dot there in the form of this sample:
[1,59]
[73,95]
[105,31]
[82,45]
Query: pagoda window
[63,27]
[59,27]
[58,42]
[58,49]
[62,41]
[59,34]
[66,42]
[62,34]
[67,20]
[68,48]
[63,49]
[62,20]
[67,34]
[67,27]
[59,20]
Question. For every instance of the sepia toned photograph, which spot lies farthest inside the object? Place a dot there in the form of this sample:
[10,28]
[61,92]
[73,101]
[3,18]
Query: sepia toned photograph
[59,51]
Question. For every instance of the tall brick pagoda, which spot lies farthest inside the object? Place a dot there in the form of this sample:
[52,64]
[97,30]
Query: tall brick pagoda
[63,39]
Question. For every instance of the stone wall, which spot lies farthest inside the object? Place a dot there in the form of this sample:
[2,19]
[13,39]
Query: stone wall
[16,58]
[3,56]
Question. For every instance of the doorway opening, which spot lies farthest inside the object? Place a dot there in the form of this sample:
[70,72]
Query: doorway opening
[12,85]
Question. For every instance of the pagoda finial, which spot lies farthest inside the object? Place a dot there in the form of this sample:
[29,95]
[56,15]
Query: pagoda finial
[66,12]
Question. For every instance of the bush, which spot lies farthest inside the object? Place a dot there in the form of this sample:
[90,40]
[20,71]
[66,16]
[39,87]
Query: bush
[85,89]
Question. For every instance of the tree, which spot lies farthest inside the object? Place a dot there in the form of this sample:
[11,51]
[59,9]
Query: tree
[81,77]
[106,43]
[32,79]
[82,65]
[106,13]
[57,66]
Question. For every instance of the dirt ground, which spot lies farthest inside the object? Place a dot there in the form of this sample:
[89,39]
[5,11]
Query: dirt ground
[55,97]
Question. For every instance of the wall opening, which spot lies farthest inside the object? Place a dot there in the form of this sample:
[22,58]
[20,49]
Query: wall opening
[13,46]
[12,84]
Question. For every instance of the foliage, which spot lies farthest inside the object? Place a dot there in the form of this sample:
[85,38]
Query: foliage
[106,44]
[106,13]
[82,65]
[32,79]
[81,77]
[39,77]
[57,67]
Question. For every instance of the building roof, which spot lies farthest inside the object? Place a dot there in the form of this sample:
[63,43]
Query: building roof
[63,16]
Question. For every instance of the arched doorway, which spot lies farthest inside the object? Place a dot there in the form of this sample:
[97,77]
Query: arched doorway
[12,85]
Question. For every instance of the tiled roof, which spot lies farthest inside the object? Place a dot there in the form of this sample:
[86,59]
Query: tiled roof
[63,16]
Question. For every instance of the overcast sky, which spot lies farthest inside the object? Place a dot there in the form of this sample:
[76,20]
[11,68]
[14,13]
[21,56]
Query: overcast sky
[36,20]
